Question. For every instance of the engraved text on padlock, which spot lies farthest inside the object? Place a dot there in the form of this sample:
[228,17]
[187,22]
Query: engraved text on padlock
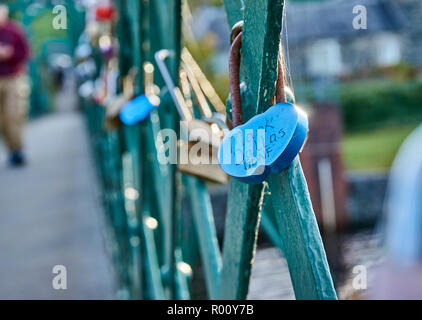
[267,143]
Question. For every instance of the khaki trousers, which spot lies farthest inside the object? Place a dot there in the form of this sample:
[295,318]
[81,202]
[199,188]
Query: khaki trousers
[14,93]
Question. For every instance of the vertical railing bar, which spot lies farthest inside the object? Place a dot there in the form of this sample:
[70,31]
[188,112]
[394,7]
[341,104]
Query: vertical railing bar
[304,250]
[245,201]
[200,203]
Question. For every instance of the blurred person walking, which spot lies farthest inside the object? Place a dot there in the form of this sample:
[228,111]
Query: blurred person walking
[14,52]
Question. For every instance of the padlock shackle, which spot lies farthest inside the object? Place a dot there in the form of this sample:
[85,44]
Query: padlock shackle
[186,90]
[280,93]
[129,83]
[206,86]
[234,72]
[203,105]
[175,93]
[202,89]
[148,69]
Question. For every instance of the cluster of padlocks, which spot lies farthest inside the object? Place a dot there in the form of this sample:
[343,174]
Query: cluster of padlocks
[193,96]
[119,107]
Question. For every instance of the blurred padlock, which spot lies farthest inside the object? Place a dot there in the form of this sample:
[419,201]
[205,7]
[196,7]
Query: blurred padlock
[104,13]
[139,108]
[203,82]
[198,147]
[115,104]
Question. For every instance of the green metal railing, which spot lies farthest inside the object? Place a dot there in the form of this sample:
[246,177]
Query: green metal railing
[162,220]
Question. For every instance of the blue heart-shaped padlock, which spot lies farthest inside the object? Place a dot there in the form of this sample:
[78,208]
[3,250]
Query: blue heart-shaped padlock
[138,109]
[267,143]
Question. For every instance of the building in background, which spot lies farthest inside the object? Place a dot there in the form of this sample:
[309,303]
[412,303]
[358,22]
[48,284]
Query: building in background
[326,44]
[323,39]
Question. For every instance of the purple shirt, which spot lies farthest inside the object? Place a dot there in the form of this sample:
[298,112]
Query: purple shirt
[11,34]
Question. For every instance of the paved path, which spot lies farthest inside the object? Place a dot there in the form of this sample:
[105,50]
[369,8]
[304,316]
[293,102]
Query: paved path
[50,215]
[270,279]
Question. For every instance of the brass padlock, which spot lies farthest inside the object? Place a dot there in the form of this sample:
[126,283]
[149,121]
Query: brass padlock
[197,134]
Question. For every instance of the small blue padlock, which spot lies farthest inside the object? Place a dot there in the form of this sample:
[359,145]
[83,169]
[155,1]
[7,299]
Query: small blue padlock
[138,109]
[267,143]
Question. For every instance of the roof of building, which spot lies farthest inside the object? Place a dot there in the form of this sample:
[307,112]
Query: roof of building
[334,18]
[310,20]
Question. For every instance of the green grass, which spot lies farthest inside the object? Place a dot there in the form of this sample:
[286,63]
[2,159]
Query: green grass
[374,150]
